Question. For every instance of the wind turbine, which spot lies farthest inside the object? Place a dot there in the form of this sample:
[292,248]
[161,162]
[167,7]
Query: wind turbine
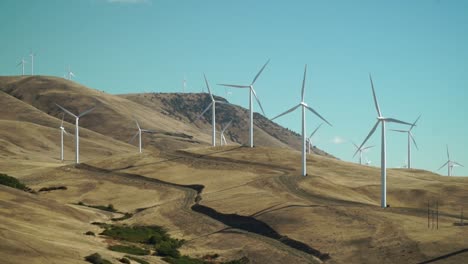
[62,131]
[309,139]
[32,55]
[368,162]
[361,150]
[77,136]
[70,73]
[304,107]
[410,137]
[450,164]
[138,133]
[221,137]
[252,93]
[213,112]
[22,63]
[383,167]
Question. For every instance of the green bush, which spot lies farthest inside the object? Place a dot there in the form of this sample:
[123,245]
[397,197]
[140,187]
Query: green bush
[184,260]
[141,261]
[11,182]
[134,250]
[96,259]
[167,248]
[136,234]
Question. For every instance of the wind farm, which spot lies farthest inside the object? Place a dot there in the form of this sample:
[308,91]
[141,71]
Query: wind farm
[123,165]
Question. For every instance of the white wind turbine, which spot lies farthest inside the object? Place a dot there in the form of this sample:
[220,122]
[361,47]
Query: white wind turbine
[304,107]
[450,164]
[213,112]
[222,139]
[138,133]
[410,137]
[77,136]
[383,166]
[309,139]
[32,55]
[361,150]
[62,131]
[22,63]
[368,162]
[70,74]
[252,94]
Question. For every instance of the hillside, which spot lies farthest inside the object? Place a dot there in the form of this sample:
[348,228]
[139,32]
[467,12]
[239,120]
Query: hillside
[227,203]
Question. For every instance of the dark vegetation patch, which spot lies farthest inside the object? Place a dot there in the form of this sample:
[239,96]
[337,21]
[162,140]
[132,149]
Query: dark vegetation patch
[124,217]
[52,188]
[189,260]
[90,233]
[97,259]
[134,250]
[12,182]
[108,208]
[125,260]
[141,261]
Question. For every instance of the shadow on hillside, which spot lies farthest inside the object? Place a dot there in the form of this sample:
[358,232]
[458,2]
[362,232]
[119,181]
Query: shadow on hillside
[445,256]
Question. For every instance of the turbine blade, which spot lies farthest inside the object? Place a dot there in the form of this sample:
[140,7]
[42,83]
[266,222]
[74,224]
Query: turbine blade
[258,101]
[224,139]
[448,155]
[368,136]
[133,138]
[454,162]
[357,147]
[260,72]
[375,97]
[225,127]
[66,111]
[208,86]
[414,124]
[393,120]
[148,131]
[86,112]
[64,131]
[287,112]
[443,165]
[234,85]
[317,114]
[204,111]
[312,134]
[63,116]
[367,148]
[303,83]
[396,130]
[414,141]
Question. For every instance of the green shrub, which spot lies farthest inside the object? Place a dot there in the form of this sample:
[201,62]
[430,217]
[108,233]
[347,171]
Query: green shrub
[166,248]
[96,259]
[184,260]
[11,182]
[141,261]
[134,250]
[136,234]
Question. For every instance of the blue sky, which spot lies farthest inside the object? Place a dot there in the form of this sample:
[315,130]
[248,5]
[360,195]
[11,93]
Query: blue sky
[417,52]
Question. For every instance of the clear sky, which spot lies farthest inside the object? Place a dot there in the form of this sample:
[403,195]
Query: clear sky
[417,52]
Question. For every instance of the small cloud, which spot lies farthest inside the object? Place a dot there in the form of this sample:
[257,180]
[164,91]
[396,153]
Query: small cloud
[130,1]
[338,140]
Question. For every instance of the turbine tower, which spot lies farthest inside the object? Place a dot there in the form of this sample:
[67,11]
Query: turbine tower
[22,63]
[410,137]
[70,73]
[32,55]
[304,107]
[221,137]
[361,150]
[383,165]
[213,112]
[309,139]
[77,136]
[252,94]
[450,164]
[62,131]
[138,133]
